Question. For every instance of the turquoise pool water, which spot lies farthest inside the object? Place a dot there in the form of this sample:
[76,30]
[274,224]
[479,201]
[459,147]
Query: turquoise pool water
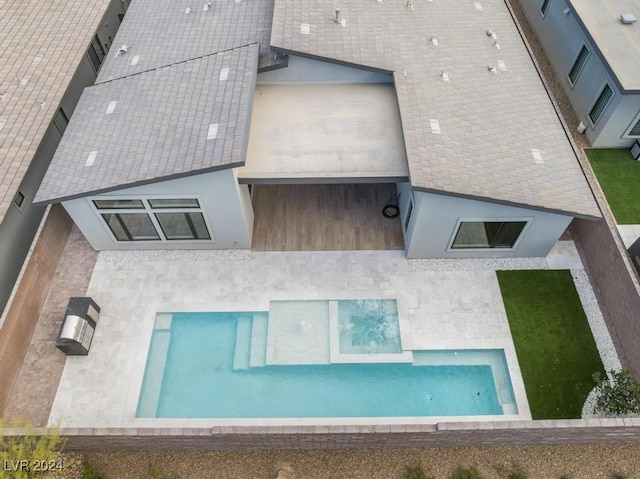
[196,368]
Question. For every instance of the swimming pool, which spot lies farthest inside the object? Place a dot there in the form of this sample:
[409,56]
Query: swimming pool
[218,365]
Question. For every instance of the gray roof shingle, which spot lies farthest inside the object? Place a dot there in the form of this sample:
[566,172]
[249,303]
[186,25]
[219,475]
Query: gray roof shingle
[489,122]
[159,127]
[31,92]
[160,33]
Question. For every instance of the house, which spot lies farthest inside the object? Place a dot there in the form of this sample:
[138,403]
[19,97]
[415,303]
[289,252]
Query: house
[48,55]
[594,47]
[203,104]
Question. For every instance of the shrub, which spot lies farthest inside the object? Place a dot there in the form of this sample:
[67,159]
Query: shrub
[31,453]
[619,395]
[88,472]
[466,473]
[416,472]
[514,471]
[158,473]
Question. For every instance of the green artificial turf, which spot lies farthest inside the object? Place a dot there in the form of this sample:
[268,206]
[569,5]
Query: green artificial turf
[619,177]
[554,344]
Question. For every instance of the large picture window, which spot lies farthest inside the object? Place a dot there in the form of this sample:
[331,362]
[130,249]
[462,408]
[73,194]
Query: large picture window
[487,234]
[158,219]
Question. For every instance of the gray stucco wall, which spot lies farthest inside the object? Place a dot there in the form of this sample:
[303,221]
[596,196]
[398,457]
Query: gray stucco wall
[225,203]
[306,70]
[435,218]
[562,37]
[19,225]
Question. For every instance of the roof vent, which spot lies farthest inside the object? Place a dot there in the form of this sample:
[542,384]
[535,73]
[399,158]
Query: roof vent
[537,157]
[435,40]
[492,69]
[111,107]
[435,126]
[91,158]
[445,76]
[212,132]
[206,7]
[337,16]
[410,4]
[2,123]
[628,18]
[478,6]
[122,50]
[37,59]
[187,10]
[304,28]
[135,59]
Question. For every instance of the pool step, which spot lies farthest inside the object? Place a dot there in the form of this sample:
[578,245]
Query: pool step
[243,343]
[258,354]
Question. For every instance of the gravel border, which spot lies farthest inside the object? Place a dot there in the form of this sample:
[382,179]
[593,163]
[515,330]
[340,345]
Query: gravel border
[174,255]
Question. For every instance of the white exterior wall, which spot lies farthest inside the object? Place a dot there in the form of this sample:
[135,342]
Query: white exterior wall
[435,219]
[562,37]
[225,203]
[306,70]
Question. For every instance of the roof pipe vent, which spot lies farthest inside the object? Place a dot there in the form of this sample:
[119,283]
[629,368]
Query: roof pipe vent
[337,16]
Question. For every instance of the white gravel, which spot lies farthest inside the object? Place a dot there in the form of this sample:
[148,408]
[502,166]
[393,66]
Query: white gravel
[174,255]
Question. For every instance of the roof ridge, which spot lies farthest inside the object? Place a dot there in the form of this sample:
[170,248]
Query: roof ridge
[176,63]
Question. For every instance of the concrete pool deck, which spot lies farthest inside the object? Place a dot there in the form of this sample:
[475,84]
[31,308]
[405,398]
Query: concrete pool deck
[437,310]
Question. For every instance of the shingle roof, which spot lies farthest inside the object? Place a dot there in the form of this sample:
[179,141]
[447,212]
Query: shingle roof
[168,94]
[30,92]
[159,32]
[618,43]
[188,117]
[491,124]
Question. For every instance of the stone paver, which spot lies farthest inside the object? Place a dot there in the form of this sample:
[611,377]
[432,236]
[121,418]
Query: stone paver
[36,386]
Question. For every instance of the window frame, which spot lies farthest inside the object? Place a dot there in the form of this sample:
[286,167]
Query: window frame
[60,111]
[604,108]
[97,54]
[544,8]
[632,126]
[575,63]
[519,219]
[151,213]
[19,203]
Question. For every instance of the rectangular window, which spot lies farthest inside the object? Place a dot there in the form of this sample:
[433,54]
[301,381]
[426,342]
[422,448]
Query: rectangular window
[19,200]
[174,203]
[407,220]
[183,226]
[635,129]
[489,234]
[61,120]
[117,204]
[163,219]
[131,226]
[578,65]
[96,53]
[601,104]
[545,7]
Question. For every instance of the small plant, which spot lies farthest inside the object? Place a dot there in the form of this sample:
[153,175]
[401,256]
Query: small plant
[154,472]
[30,453]
[514,471]
[89,472]
[416,472]
[466,473]
[618,476]
[619,395]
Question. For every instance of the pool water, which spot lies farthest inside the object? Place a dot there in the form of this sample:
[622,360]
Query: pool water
[195,369]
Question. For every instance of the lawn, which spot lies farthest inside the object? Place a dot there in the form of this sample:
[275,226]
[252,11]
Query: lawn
[619,176]
[554,344]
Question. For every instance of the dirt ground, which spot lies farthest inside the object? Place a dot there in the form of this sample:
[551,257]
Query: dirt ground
[575,461]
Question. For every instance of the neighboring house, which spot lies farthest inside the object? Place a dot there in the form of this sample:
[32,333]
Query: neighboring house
[210,100]
[596,56]
[48,53]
